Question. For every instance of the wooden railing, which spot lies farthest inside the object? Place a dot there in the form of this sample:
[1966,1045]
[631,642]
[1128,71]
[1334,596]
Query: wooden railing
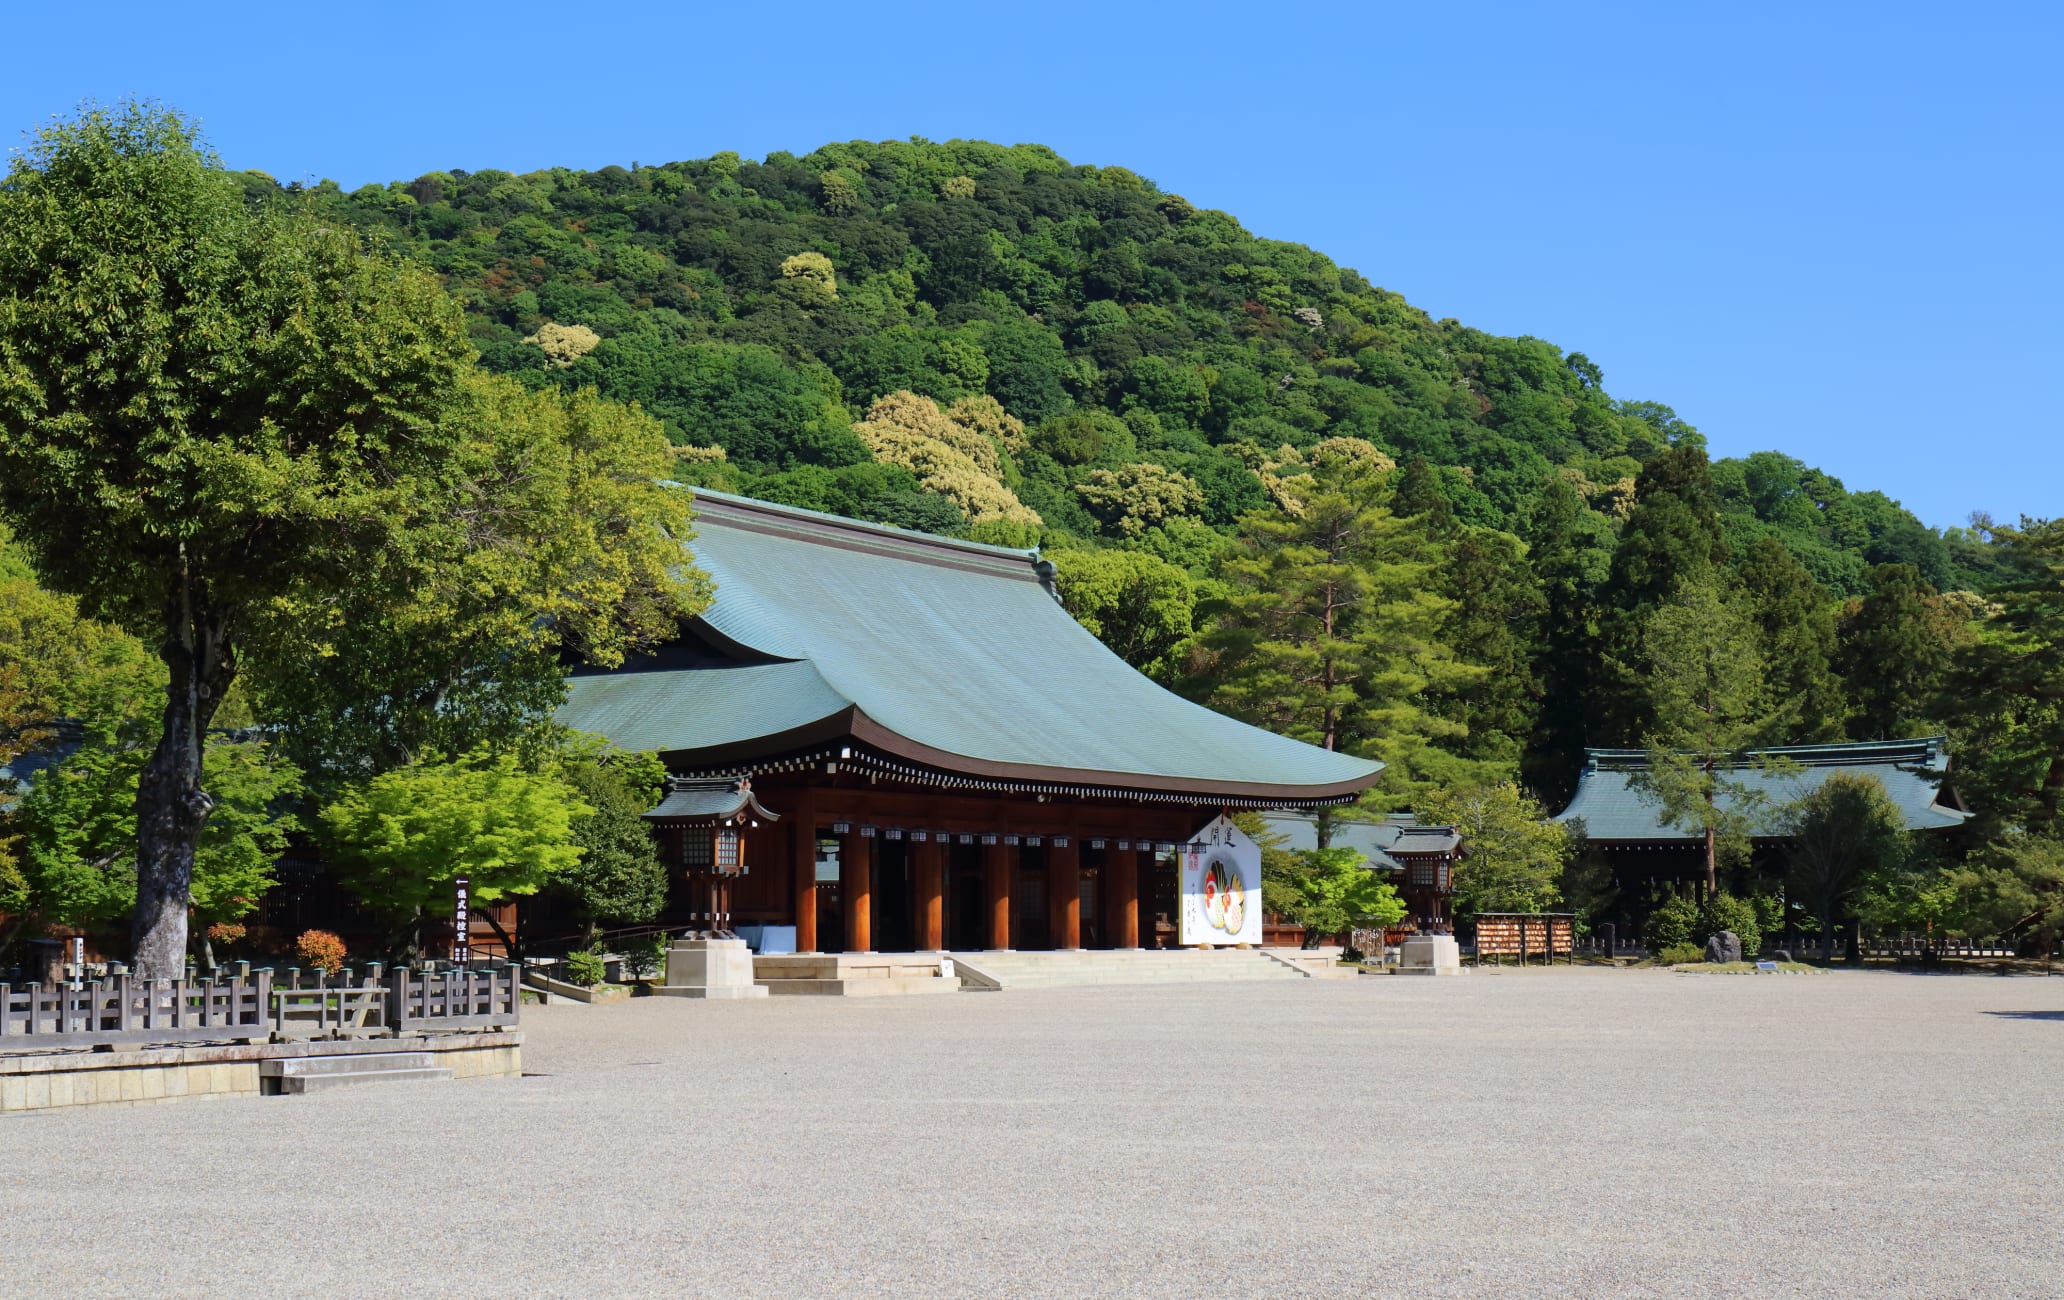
[123,1010]
[252,1008]
[457,999]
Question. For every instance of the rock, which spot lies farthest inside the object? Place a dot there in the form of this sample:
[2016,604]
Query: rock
[1724,946]
[1780,955]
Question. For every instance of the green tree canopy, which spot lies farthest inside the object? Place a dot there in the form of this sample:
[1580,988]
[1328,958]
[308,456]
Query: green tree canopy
[1842,832]
[403,837]
[619,878]
[1513,857]
[226,425]
[1703,680]
[1141,606]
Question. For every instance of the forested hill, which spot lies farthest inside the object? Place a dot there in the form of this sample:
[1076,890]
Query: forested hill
[763,307]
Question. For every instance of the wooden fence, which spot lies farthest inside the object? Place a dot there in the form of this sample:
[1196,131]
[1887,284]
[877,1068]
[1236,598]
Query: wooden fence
[119,1009]
[122,1010]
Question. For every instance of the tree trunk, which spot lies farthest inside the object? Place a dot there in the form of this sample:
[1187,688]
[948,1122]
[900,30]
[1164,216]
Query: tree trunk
[171,807]
[1712,866]
[2052,797]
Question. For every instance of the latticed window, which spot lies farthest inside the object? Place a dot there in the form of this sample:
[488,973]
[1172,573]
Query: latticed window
[697,850]
[1422,874]
[727,850]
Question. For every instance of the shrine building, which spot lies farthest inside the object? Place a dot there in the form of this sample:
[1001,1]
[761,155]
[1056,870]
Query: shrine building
[900,742]
[1627,828]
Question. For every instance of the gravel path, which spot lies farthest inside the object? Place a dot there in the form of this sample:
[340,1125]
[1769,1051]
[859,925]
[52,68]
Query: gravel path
[1589,1132]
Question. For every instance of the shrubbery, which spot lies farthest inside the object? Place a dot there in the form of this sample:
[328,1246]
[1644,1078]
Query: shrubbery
[586,969]
[1671,924]
[1679,922]
[1679,954]
[322,950]
[1726,912]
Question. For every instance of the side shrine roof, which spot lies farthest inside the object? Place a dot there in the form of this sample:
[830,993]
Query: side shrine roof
[1400,833]
[943,654]
[1912,772]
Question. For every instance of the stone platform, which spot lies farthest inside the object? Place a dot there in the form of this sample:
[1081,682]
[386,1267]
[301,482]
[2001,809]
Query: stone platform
[50,1080]
[709,968]
[852,974]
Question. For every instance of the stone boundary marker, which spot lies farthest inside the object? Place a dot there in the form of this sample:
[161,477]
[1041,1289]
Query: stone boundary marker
[52,1080]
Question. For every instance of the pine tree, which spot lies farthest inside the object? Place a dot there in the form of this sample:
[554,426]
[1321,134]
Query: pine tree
[1702,677]
[2007,691]
[1330,633]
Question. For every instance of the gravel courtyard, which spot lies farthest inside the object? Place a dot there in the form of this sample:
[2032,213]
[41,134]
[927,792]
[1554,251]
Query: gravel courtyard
[1590,1132]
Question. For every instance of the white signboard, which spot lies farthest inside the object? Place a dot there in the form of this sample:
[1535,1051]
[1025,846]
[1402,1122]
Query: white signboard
[1221,887]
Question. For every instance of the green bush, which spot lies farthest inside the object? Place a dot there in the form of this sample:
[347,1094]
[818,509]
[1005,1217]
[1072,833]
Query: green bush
[1726,912]
[1671,924]
[644,958]
[585,969]
[1678,954]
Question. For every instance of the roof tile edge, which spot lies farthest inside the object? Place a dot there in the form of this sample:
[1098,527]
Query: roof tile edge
[819,525]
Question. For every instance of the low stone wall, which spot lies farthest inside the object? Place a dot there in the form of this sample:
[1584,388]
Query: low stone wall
[47,1081]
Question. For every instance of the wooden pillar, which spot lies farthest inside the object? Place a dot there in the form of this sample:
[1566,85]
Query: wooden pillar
[999,865]
[930,869]
[803,861]
[856,889]
[1064,895]
[1121,897]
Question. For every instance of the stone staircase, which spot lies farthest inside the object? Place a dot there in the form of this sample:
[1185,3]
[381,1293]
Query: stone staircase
[1028,970]
[294,1076]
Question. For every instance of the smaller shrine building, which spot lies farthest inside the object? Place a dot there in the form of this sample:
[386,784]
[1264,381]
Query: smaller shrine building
[1625,826]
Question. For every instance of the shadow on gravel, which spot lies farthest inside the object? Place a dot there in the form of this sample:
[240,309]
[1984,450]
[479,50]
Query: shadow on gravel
[2027,1015]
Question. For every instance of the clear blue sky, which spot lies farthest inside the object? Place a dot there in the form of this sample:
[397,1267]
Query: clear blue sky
[1829,229]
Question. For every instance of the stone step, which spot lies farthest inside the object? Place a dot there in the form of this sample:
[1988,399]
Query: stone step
[1145,966]
[297,1085]
[307,1067]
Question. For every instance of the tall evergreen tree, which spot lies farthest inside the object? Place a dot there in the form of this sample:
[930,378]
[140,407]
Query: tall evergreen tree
[1418,495]
[1896,652]
[1494,622]
[2007,691]
[1797,622]
[1672,538]
[1673,533]
[1568,567]
[1702,675]
[1330,633]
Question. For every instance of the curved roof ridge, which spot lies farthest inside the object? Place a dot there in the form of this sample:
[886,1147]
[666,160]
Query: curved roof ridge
[816,525]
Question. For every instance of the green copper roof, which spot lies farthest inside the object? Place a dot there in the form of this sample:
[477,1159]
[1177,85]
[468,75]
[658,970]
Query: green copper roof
[1911,770]
[940,652]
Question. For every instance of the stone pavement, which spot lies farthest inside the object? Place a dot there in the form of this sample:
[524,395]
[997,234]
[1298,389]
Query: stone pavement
[1525,1133]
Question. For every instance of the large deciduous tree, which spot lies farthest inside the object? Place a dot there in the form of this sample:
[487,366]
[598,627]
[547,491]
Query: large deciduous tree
[402,838]
[233,430]
[1513,856]
[1139,605]
[1842,831]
